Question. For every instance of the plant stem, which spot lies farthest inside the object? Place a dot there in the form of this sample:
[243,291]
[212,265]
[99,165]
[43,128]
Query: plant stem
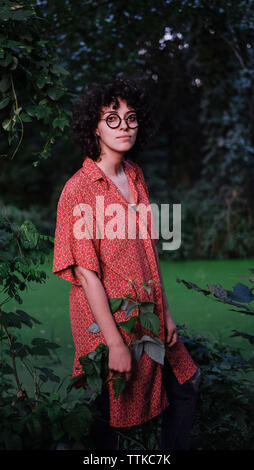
[19,246]
[22,127]
[13,360]
[35,388]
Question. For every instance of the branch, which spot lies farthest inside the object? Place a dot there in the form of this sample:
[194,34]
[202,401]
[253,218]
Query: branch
[15,372]
[238,56]
[21,122]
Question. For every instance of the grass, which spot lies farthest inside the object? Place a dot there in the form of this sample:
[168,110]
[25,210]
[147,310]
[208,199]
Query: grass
[204,314]
[49,303]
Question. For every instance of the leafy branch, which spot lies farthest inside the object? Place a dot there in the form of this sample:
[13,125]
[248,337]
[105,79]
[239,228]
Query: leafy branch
[32,84]
[238,297]
[95,363]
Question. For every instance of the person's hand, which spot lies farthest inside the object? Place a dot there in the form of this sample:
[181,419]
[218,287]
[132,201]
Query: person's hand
[171,336]
[120,359]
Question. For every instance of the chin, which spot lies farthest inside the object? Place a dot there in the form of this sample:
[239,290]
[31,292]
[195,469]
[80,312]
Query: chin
[123,148]
[127,144]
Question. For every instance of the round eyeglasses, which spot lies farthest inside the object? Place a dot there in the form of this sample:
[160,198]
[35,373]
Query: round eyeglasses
[114,121]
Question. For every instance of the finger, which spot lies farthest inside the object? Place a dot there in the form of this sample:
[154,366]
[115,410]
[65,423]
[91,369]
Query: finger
[171,339]
[174,338]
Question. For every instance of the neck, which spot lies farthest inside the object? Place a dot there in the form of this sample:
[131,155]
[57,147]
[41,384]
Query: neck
[111,165]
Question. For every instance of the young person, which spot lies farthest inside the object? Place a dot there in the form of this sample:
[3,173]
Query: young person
[95,252]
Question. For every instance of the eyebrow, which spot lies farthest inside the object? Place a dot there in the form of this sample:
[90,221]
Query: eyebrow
[114,111]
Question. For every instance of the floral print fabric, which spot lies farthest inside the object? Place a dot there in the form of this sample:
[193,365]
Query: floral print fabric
[115,261]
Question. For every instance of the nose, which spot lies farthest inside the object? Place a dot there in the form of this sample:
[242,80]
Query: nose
[123,125]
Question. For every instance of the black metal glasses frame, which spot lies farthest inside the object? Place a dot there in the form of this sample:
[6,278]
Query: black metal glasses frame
[120,121]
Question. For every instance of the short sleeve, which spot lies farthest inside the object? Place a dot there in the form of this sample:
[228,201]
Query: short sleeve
[72,246]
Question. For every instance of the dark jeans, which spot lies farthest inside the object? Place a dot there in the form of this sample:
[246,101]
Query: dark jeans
[176,419]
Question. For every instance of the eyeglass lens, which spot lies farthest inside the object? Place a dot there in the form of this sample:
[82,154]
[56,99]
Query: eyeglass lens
[113,120]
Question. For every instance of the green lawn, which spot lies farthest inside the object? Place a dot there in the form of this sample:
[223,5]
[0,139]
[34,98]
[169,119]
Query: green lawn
[205,315]
[49,303]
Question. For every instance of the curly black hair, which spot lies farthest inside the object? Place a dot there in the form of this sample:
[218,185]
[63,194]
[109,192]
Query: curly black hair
[87,108]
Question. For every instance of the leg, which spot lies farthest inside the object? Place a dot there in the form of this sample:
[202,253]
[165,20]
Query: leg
[177,418]
[102,433]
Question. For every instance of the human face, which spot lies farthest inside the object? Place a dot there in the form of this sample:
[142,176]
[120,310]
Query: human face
[120,139]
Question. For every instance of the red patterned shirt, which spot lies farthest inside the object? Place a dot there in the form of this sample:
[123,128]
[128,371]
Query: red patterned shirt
[115,261]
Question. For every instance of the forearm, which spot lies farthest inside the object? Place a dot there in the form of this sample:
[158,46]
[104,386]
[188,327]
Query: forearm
[98,302]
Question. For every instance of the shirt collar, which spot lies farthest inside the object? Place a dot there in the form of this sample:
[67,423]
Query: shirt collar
[96,173]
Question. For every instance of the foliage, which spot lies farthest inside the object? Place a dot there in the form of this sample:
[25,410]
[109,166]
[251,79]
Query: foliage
[199,59]
[224,415]
[46,421]
[95,364]
[238,297]
[43,421]
[199,56]
[32,80]
[210,227]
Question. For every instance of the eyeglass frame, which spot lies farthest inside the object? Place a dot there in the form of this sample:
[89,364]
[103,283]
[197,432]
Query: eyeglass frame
[120,122]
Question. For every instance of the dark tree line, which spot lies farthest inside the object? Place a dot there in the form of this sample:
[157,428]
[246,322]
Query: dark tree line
[198,59]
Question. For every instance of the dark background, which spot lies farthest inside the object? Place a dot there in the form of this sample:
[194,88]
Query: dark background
[198,59]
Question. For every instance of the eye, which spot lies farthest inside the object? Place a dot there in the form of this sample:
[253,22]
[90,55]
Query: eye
[132,117]
[112,118]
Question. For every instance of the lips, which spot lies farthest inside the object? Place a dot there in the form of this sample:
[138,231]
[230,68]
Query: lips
[123,137]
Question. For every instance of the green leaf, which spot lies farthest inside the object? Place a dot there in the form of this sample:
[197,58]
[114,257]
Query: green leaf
[41,346]
[5,83]
[25,117]
[147,306]
[14,63]
[75,380]
[41,82]
[27,319]
[241,293]
[119,384]
[7,124]
[10,319]
[5,369]
[115,303]
[95,383]
[60,122]
[151,322]
[55,93]
[87,365]
[47,374]
[94,328]
[7,61]
[29,235]
[137,350]
[59,70]
[77,422]
[129,324]
[42,42]
[42,112]
[129,307]
[147,287]
[4,102]
[5,13]
[155,349]
[31,110]
[21,15]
